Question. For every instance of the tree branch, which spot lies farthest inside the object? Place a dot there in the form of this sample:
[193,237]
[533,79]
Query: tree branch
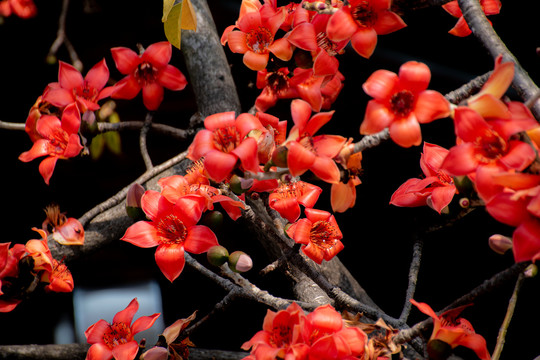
[482,29]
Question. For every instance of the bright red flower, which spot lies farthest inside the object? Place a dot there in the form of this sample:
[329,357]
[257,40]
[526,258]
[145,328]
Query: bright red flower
[453,330]
[280,336]
[22,8]
[361,21]
[175,186]
[39,108]
[526,240]
[436,190]
[116,340]
[59,279]
[275,85]
[490,7]
[401,103]
[485,144]
[66,231]
[172,228]
[255,37]
[324,330]
[59,140]
[224,142]
[150,72]
[319,233]
[286,199]
[9,268]
[343,193]
[73,88]
[309,152]
[319,91]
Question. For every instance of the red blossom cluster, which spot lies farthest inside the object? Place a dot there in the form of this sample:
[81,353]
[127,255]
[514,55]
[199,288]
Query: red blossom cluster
[22,8]
[54,122]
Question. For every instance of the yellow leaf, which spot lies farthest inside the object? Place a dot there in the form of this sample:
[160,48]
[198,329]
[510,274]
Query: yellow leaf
[177,17]
[189,21]
[167,6]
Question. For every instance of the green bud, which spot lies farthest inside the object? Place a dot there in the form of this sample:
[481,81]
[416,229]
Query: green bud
[279,156]
[217,255]
[239,261]
[212,219]
[438,350]
[240,185]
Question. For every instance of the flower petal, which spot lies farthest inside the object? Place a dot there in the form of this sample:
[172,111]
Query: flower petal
[431,105]
[414,76]
[171,78]
[158,54]
[376,118]
[200,239]
[126,351]
[219,165]
[126,60]
[98,75]
[142,234]
[406,131]
[364,41]
[170,260]
[69,77]
[341,26]
[152,95]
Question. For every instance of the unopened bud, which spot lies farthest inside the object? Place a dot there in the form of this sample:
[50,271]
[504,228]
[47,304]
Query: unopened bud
[500,243]
[464,202]
[212,219]
[531,271]
[133,202]
[279,157]
[438,349]
[239,185]
[239,261]
[217,255]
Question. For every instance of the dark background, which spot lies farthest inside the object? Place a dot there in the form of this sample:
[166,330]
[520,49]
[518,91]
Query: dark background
[378,237]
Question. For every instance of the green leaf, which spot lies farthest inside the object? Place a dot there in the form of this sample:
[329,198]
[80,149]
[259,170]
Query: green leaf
[177,17]
[97,145]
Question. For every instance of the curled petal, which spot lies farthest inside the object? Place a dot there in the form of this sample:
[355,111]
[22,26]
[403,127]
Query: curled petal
[237,42]
[247,153]
[364,41]
[326,169]
[299,159]
[46,168]
[219,165]
[255,61]
[388,22]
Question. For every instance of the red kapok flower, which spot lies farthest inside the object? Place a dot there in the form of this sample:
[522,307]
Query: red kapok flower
[361,21]
[9,268]
[453,330]
[60,140]
[172,228]
[343,194]
[319,233]
[150,72]
[286,199]
[436,190]
[275,85]
[223,143]
[280,336]
[490,7]
[324,330]
[401,102]
[72,87]
[309,152]
[22,8]
[66,231]
[255,38]
[116,340]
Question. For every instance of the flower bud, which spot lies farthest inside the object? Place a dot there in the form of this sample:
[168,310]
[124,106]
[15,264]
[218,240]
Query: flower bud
[217,255]
[133,202]
[240,185]
[500,243]
[464,202]
[438,349]
[531,271]
[239,261]
[265,143]
[279,157]
[212,219]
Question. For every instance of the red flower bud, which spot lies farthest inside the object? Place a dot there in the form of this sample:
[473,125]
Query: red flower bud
[239,261]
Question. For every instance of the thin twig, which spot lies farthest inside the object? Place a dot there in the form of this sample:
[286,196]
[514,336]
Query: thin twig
[137,125]
[12,126]
[142,141]
[121,195]
[508,317]
[61,38]
[413,278]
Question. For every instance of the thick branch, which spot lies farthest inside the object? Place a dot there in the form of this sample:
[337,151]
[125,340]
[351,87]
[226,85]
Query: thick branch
[482,29]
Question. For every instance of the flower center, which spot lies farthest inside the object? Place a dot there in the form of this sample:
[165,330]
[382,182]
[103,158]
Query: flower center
[326,44]
[58,142]
[291,190]
[277,81]
[445,178]
[307,142]
[86,92]
[226,139]
[323,234]
[117,334]
[258,40]
[281,336]
[492,147]
[402,102]
[171,230]
[145,73]
[364,15]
